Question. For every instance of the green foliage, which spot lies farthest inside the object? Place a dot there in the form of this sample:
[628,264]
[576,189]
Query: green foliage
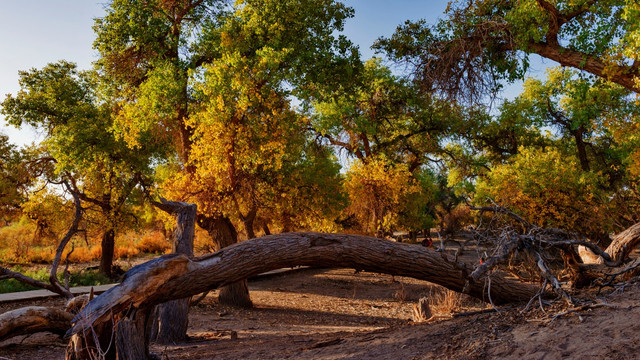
[482,43]
[381,113]
[76,278]
[15,179]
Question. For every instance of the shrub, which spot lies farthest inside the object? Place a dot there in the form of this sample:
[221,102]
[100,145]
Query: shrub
[153,242]
[379,194]
[549,189]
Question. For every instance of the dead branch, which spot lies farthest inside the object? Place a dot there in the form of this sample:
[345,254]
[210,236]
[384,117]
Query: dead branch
[622,244]
[581,308]
[611,277]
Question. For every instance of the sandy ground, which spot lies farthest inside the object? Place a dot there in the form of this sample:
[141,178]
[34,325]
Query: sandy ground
[339,314]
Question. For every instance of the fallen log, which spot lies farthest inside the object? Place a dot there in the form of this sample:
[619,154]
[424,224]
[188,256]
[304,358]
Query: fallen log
[178,276]
[34,319]
[622,244]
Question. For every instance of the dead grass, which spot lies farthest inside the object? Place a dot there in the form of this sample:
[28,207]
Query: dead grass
[444,301]
[19,245]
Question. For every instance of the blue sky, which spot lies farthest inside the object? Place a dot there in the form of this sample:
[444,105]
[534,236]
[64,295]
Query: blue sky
[36,32]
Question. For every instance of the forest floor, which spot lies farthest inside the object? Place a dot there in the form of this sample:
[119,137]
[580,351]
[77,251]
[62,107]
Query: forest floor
[339,314]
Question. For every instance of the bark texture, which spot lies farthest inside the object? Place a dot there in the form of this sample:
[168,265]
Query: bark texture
[224,234]
[34,319]
[107,245]
[172,318]
[623,243]
[177,276]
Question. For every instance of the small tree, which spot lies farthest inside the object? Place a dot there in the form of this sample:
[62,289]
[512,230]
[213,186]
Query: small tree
[66,104]
[549,189]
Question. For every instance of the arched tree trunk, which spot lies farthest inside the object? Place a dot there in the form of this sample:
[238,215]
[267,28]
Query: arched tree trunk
[177,276]
[171,319]
[224,234]
[108,246]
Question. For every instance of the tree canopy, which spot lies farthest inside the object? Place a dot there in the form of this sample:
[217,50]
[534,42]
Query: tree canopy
[479,44]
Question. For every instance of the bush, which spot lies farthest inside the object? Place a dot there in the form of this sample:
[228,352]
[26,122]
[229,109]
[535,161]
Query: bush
[153,242]
[549,189]
[380,193]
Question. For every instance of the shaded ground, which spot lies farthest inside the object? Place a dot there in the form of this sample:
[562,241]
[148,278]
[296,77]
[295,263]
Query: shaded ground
[339,314]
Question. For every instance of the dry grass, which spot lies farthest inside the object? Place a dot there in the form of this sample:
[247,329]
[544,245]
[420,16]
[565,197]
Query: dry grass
[444,301]
[19,245]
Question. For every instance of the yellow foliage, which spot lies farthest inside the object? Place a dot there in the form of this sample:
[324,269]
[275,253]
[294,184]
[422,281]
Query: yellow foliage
[17,247]
[153,242]
[548,189]
[378,193]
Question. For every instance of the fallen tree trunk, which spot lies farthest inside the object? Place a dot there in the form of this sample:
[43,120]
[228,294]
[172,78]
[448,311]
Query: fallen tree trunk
[177,276]
[623,243]
[33,319]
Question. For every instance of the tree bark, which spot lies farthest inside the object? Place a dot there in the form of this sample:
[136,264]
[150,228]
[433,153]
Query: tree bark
[248,221]
[224,234]
[623,243]
[171,319]
[33,319]
[177,276]
[107,245]
[132,336]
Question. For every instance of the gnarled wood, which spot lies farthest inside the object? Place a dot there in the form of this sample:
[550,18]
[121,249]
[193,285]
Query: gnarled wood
[177,276]
[172,318]
[34,319]
[623,243]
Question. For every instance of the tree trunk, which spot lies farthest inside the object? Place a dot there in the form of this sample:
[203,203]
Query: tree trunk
[33,319]
[108,245]
[248,222]
[581,148]
[224,234]
[265,228]
[132,336]
[623,243]
[177,276]
[171,319]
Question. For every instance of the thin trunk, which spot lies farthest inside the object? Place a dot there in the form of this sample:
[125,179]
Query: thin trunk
[582,149]
[248,222]
[265,228]
[108,245]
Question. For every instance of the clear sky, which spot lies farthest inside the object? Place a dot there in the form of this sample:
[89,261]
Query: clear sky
[36,32]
